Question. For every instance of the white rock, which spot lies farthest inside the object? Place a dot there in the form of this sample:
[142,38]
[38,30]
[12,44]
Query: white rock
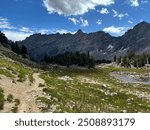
[65,78]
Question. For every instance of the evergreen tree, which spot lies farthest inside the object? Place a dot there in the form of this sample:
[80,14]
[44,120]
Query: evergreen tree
[130,55]
[15,48]
[23,50]
[69,58]
[125,62]
[115,58]
[135,60]
[119,60]
[91,63]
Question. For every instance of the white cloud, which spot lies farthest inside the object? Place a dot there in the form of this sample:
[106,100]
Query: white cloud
[13,33]
[26,30]
[134,3]
[116,31]
[141,20]
[16,35]
[73,7]
[129,21]
[84,22]
[119,15]
[52,31]
[61,31]
[75,21]
[99,22]
[81,21]
[115,13]
[104,11]
[5,24]
[144,1]
[20,33]
[43,31]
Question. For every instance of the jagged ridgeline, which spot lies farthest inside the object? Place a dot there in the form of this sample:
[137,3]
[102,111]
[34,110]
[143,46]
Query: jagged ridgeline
[100,45]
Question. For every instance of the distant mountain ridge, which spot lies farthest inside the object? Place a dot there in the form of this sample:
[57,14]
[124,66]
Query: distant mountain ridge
[99,45]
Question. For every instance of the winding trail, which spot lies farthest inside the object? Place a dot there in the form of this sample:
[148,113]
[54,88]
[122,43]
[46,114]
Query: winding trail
[25,92]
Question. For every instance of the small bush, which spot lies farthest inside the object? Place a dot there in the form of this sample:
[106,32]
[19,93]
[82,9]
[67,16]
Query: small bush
[14,109]
[17,102]
[41,85]
[13,81]
[19,80]
[10,98]
[1,90]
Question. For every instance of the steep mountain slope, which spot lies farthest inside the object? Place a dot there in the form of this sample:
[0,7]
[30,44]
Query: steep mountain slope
[38,45]
[99,44]
[136,39]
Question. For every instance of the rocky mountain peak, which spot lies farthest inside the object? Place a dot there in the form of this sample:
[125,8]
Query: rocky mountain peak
[142,28]
[79,32]
[142,25]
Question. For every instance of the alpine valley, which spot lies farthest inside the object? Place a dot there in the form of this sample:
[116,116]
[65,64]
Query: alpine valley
[31,80]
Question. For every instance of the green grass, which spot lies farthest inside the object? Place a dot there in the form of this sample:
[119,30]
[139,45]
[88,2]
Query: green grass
[6,73]
[15,69]
[75,96]
[78,96]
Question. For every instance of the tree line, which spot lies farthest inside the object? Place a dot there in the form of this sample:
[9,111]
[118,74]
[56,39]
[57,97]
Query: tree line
[22,50]
[132,59]
[70,58]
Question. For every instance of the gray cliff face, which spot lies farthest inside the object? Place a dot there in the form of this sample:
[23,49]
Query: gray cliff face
[100,45]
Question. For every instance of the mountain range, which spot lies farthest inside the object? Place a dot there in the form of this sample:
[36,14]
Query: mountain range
[99,45]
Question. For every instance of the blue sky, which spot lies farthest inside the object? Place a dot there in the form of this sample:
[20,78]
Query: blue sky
[21,18]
